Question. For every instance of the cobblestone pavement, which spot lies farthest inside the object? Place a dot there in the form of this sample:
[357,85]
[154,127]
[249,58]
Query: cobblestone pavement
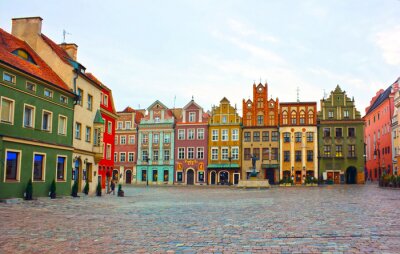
[331,219]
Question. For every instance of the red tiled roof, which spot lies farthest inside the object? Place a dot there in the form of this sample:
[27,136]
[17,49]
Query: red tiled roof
[9,43]
[57,49]
[94,79]
[128,110]
[138,117]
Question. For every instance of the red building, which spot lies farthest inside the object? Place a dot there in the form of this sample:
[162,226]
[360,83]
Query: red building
[108,114]
[377,133]
[191,139]
[125,155]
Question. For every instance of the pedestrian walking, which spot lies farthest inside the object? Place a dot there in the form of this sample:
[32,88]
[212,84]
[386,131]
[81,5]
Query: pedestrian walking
[112,187]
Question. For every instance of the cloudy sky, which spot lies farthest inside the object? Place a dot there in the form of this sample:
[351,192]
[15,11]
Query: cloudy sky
[148,50]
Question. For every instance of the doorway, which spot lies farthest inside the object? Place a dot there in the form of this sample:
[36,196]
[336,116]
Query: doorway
[213,177]
[298,177]
[128,177]
[351,175]
[236,177]
[224,178]
[270,175]
[190,177]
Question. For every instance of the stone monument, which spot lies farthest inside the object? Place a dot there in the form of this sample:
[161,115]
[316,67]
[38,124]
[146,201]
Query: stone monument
[254,181]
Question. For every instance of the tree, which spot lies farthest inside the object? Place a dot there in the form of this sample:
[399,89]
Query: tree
[29,190]
[53,189]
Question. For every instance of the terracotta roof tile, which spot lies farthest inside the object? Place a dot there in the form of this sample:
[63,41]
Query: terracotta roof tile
[57,49]
[9,43]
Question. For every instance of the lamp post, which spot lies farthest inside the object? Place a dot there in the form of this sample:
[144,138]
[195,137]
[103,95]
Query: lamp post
[146,159]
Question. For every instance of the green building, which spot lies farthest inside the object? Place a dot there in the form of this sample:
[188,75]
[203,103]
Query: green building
[36,109]
[341,140]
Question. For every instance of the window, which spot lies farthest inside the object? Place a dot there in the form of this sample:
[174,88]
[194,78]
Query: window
[271,118]
[115,156]
[351,132]
[214,153]
[122,157]
[224,135]
[13,165]
[105,100]
[284,117]
[297,137]
[48,93]
[78,130]
[352,151]
[256,153]
[235,153]
[190,153]
[155,175]
[346,114]
[214,135]
[265,136]
[260,120]
[265,153]
[274,136]
[61,166]
[286,137]
[339,151]
[145,139]
[181,134]
[29,116]
[131,139]
[30,86]
[24,55]
[201,176]
[179,177]
[88,134]
[155,155]
[327,132]
[286,156]
[256,136]
[62,125]
[192,117]
[191,134]
[330,114]
[109,127]
[224,119]
[166,175]
[8,77]
[327,151]
[46,120]
[38,167]
[128,125]
[297,156]
[247,154]
[145,155]
[144,175]
[90,102]
[274,154]
[293,117]
[7,110]
[200,152]
[166,155]
[310,117]
[122,140]
[108,152]
[310,155]
[63,99]
[302,117]
[224,153]
[310,136]
[181,153]
[200,133]
[119,125]
[156,138]
[247,136]
[338,132]
[167,138]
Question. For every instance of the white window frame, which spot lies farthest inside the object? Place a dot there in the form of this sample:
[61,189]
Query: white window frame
[214,156]
[214,135]
[235,134]
[128,123]
[192,117]
[11,112]
[33,85]
[115,156]
[33,116]
[122,156]
[64,127]
[224,135]
[108,152]
[200,133]
[88,138]
[122,140]
[13,78]
[80,130]
[63,99]
[224,156]
[193,153]
[181,134]
[165,154]
[18,175]
[51,93]
[167,138]
[109,127]
[50,120]
[156,138]
[65,168]
[129,156]
[200,150]
[181,151]
[131,139]
[191,134]
[235,152]
[120,125]
[43,168]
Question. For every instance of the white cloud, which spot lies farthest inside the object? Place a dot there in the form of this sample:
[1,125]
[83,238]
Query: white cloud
[244,30]
[389,42]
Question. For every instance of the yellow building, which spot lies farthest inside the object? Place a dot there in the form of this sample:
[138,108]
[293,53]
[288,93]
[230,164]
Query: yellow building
[299,141]
[224,145]
[396,134]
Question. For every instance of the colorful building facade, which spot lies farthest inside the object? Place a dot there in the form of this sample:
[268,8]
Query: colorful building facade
[191,143]
[36,109]
[396,133]
[298,141]
[341,141]
[126,143]
[378,133]
[260,136]
[156,148]
[224,145]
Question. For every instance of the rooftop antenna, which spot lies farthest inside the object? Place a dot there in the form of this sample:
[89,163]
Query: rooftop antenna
[64,34]
[139,106]
[325,95]
[192,98]
[298,94]
[174,101]
[260,80]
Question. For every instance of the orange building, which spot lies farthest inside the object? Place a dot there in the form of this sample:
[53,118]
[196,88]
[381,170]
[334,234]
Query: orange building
[260,134]
[298,141]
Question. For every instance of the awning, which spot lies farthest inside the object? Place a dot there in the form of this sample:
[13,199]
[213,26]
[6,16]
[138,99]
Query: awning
[225,166]
[270,165]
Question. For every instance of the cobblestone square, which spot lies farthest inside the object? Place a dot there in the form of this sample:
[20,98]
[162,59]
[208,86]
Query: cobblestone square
[330,219]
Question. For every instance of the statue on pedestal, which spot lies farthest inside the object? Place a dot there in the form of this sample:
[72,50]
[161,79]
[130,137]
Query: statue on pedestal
[253,162]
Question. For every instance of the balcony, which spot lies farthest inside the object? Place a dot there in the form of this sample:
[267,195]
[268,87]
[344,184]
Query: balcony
[98,151]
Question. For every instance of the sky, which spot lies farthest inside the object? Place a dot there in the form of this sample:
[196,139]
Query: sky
[173,50]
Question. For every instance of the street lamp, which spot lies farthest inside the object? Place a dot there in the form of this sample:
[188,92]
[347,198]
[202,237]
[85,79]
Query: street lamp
[146,159]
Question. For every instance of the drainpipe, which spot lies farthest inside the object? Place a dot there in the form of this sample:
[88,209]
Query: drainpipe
[75,90]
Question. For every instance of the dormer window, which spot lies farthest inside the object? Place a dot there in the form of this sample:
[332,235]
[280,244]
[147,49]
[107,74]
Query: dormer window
[192,117]
[157,119]
[24,55]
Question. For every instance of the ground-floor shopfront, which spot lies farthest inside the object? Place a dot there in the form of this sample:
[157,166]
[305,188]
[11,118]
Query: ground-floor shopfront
[155,174]
[270,172]
[298,175]
[190,176]
[223,174]
[84,170]
[350,175]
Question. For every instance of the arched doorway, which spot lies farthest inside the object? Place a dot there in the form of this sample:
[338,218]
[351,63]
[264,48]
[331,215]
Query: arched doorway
[351,175]
[223,177]
[128,177]
[190,177]
[213,177]
[115,175]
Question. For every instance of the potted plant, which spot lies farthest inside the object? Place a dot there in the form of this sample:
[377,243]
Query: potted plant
[282,182]
[86,189]
[98,189]
[289,182]
[120,191]
[52,192]
[29,190]
[74,191]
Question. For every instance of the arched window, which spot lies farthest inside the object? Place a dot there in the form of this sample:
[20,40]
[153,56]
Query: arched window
[284,117]
[310,117]
[293,117]
[24,55]
[260,119]
[248,118]
[302,117]
[271,118]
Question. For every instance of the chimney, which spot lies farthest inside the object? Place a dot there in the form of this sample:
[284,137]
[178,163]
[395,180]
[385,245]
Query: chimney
[27,29]
[71,49]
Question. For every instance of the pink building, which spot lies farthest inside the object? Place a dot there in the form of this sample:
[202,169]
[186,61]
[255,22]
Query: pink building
[377,133]
[191,139]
